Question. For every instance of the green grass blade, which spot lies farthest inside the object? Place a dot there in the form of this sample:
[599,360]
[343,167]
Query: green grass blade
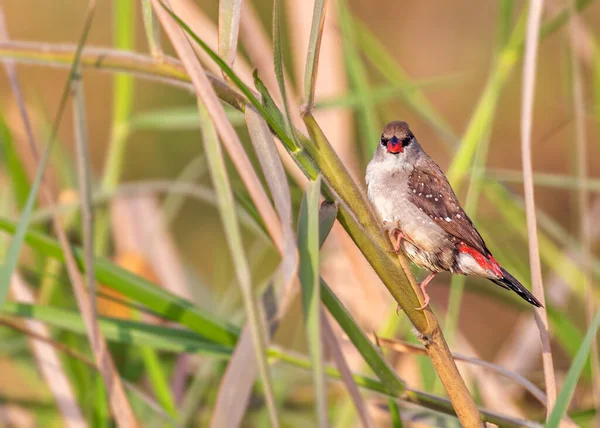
[312,54]
[277,126]
[233,236]
[156,376]
[566,392]
[139,290]
[553,181]
[278,68]
[133,333]
[152,27]
[12,256]
[386,64]
[395,413]
[18,176]
[308,247]
[368,122]
[367,349]
[387,92]
[175,119]
[123,94]
[14,249]
[122,105]
[505,19]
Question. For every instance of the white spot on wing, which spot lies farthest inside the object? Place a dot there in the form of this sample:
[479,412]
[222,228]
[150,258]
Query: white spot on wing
[448,219]
[457,215]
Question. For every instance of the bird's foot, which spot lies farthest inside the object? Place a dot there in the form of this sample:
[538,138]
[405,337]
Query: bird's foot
[396,237]
[426,303]
[423,286]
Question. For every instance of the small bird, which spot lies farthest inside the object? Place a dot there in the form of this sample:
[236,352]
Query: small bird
[423,216]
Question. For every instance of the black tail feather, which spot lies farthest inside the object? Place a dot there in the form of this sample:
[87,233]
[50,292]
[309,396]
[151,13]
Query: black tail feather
[510,282]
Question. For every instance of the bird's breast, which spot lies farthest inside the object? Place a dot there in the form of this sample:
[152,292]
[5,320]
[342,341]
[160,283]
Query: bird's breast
[388,192]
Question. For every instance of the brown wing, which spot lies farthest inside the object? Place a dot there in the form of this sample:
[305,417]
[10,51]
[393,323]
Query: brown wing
[431,192]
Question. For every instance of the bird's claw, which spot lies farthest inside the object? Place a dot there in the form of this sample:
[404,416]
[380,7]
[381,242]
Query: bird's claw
[423,286]
[426,303]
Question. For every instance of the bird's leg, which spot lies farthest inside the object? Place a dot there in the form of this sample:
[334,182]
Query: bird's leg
[396,236]
[422,286]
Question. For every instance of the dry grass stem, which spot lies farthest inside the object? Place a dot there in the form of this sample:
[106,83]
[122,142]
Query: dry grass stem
[529,70]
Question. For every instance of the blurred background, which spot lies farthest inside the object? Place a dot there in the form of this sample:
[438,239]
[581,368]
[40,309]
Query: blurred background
[425,62]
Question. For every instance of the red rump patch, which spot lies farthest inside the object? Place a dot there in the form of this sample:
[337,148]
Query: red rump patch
[483,261]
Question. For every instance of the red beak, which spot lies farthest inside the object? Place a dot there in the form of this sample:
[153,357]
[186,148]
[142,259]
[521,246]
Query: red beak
[394,145]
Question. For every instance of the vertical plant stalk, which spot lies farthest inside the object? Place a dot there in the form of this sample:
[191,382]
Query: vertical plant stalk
[541,317]
[330,340]
[270,162]
[308,272]
[123,87]
[152,28]
[312,55]
[226,205]
[124,34]
[85,192]
[404,288]
[279,69]
[229,28]
[121,409]
[585,230]
[230,139]
[457,283]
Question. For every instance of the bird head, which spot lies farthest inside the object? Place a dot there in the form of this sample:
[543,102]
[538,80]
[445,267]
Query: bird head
[396,137]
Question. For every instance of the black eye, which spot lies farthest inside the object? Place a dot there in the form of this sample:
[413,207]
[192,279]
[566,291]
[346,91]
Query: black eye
[406,140]
[384,141]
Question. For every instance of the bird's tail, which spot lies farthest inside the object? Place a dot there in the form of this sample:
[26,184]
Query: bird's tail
[510,282]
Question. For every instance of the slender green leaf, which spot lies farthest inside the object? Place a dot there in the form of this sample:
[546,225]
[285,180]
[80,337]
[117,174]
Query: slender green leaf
[312,54]
[139,290]
[308,247]
[395,414]
[123,95]
[368,121]
[128,332]
[388,66]
[18,176]
[7,268]
[160,384]
[178,340]
[279,73]
[566,392]
[175,119]
[554,181]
